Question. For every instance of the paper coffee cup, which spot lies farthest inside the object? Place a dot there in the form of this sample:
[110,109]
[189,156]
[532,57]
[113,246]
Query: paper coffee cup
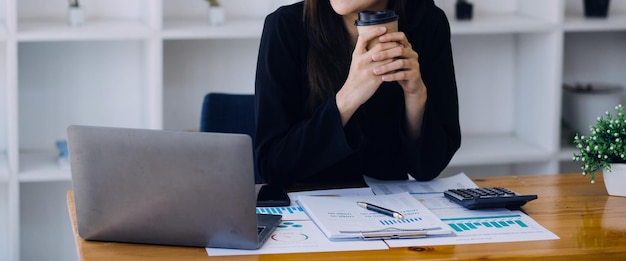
[370,19]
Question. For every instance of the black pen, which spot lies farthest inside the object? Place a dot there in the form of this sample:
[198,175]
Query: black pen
[380,210]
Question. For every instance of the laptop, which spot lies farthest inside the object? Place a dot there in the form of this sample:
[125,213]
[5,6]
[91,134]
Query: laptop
[166,187]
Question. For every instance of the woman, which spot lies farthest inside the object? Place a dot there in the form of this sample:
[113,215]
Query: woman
[329,111]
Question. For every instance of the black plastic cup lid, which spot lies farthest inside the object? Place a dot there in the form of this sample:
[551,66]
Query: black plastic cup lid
[375,17]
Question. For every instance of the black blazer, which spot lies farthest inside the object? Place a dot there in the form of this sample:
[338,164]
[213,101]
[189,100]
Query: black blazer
[296,145]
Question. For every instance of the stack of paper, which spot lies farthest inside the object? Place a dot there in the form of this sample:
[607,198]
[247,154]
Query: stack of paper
[423,205]
[340,218]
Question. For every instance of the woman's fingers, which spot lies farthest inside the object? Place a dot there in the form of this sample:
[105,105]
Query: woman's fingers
[365,36]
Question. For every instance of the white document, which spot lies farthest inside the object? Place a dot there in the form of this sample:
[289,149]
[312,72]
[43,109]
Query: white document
[470,226]
[300,237]
[383,187]
[366,191]
[340,218]
[496,226]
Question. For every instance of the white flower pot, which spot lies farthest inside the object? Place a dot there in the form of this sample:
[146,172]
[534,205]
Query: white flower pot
[75,16]
[217,15]
[582,104]
[615,180]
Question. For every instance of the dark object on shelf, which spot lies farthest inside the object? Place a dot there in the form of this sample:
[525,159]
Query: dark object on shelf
[464,10]
[597,8]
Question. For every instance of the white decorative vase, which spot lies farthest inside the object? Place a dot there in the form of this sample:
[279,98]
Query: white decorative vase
[217,15]
[75,16]
[582,104]
[615,180]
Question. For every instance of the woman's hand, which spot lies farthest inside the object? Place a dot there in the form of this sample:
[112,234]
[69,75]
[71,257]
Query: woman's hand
[405,69]
[362,82]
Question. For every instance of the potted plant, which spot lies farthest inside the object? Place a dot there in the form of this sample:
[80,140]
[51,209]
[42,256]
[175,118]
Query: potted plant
[604,149]
[216,13]
[74,13]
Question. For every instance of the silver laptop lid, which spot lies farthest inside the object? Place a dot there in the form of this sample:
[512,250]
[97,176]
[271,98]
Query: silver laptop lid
[163,187]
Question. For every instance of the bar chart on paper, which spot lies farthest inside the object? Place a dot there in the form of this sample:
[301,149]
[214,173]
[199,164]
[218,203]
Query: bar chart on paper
[390,222]
[288,213]
[488,225]
[474,229]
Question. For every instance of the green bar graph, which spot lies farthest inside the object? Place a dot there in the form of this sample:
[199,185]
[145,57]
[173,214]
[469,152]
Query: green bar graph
[512,223]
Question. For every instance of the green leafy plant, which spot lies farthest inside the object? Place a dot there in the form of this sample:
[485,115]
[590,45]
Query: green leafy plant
[213,3]
[605,144]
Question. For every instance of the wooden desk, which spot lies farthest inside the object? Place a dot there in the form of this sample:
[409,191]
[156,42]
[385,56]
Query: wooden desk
[591,225]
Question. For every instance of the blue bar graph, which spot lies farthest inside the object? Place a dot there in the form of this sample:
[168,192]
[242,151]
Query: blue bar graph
[279,210]
[389,222]
[511,223]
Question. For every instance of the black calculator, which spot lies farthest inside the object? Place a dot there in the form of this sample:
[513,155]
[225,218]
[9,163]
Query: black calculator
[488,197]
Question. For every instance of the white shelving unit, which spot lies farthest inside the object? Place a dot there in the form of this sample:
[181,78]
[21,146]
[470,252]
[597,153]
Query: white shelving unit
[508,66]
[148,64]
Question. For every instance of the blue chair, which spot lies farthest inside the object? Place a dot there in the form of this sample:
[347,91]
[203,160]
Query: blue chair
[229,113]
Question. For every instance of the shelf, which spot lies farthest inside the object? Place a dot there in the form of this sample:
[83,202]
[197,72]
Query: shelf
[615,22]
[4,168]
[4,165]
[496,149]
[44,222]
[198,28]
[494,24]
[58,30]
[5,233]
[148,64]
[3,31]
[38,166]
[107,87]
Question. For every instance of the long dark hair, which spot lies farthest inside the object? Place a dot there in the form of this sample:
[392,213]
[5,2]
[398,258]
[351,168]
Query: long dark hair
[329,54]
